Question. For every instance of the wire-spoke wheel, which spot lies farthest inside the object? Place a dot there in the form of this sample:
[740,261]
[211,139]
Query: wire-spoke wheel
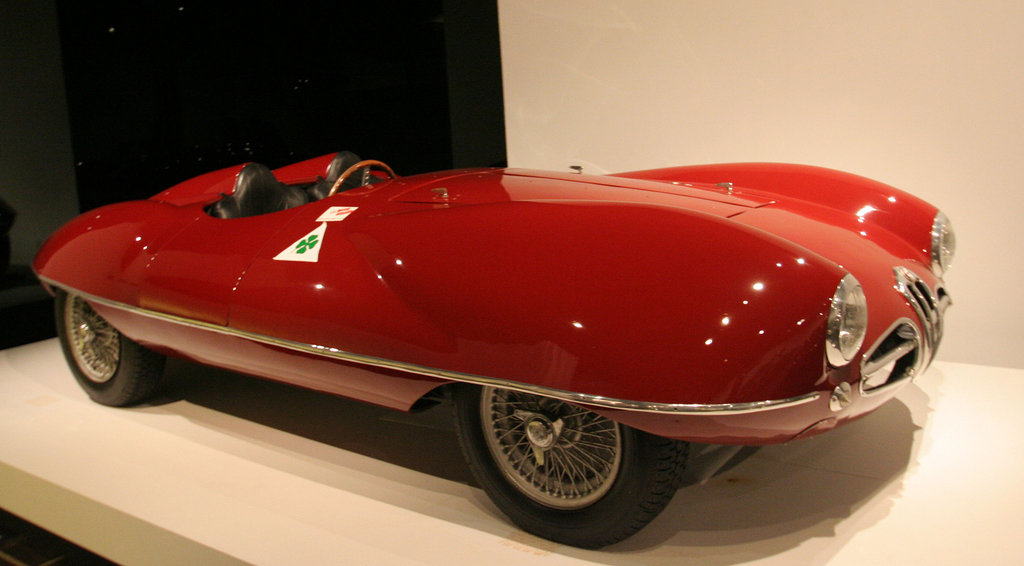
[559,455]
[563,472]
[95,344]
[112,369]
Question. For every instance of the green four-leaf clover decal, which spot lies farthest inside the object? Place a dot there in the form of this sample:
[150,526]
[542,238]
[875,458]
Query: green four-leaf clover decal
[305,245]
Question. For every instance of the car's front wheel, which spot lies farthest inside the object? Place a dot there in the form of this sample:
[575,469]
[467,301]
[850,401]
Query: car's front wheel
[111,368]
[563,472]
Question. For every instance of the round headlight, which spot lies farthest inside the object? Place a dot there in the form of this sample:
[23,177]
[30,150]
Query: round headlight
[847,322]
[943,244]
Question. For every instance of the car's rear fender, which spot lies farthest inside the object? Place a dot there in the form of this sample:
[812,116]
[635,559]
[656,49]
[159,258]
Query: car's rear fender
[204,189]
[105,251]
[210,187]
[304,171]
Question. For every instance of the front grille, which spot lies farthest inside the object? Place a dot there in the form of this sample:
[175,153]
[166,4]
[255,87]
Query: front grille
[906,348]
[928,305]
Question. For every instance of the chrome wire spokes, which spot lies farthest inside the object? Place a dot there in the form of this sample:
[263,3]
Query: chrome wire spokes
[95,344]
[558,454]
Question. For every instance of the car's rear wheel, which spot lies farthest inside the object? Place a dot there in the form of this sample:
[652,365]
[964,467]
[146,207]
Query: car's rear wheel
[111,368]
[563,472]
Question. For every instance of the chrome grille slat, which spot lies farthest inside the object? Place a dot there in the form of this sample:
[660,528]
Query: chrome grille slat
[907,347]
[927,306]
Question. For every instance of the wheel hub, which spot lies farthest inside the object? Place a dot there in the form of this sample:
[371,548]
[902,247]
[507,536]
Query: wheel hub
[540,433]
[85,333]
[562,456]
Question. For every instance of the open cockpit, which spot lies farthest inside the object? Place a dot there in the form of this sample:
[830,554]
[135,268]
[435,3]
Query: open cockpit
[257,191]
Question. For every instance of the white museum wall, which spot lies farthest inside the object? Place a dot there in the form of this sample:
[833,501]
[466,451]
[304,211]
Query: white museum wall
[37,175]
[924,95]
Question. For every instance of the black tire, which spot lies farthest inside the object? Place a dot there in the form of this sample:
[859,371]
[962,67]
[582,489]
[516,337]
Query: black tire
[639,473]
[111,368]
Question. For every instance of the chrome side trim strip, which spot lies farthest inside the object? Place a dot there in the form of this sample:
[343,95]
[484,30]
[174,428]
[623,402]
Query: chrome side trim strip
[573,397]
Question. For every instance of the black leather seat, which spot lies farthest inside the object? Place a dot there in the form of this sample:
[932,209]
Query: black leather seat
[342,161]
[256,192]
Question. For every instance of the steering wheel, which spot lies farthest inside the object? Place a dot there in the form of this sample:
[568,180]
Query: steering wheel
[368,163]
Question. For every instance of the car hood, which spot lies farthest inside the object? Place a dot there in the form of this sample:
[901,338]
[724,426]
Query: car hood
[473,187]
[869,235]
[867,241]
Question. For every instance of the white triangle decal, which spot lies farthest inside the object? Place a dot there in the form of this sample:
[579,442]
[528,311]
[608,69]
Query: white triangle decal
[306,248]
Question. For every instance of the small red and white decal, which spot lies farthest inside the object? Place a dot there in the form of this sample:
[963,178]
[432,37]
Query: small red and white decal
[336,213]
[306,248]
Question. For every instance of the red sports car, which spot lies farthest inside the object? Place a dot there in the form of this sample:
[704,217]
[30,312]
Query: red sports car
[587,327]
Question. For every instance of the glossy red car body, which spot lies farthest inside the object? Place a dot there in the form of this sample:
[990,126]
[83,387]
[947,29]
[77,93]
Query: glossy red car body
[688,302]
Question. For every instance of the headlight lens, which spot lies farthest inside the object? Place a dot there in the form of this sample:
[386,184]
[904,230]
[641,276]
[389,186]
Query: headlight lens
[847,322]
[943,244]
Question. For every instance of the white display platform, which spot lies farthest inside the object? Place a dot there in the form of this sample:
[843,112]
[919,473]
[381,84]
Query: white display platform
[226,469]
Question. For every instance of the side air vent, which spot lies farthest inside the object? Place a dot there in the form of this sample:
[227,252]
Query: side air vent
[895,357]
[907,347]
